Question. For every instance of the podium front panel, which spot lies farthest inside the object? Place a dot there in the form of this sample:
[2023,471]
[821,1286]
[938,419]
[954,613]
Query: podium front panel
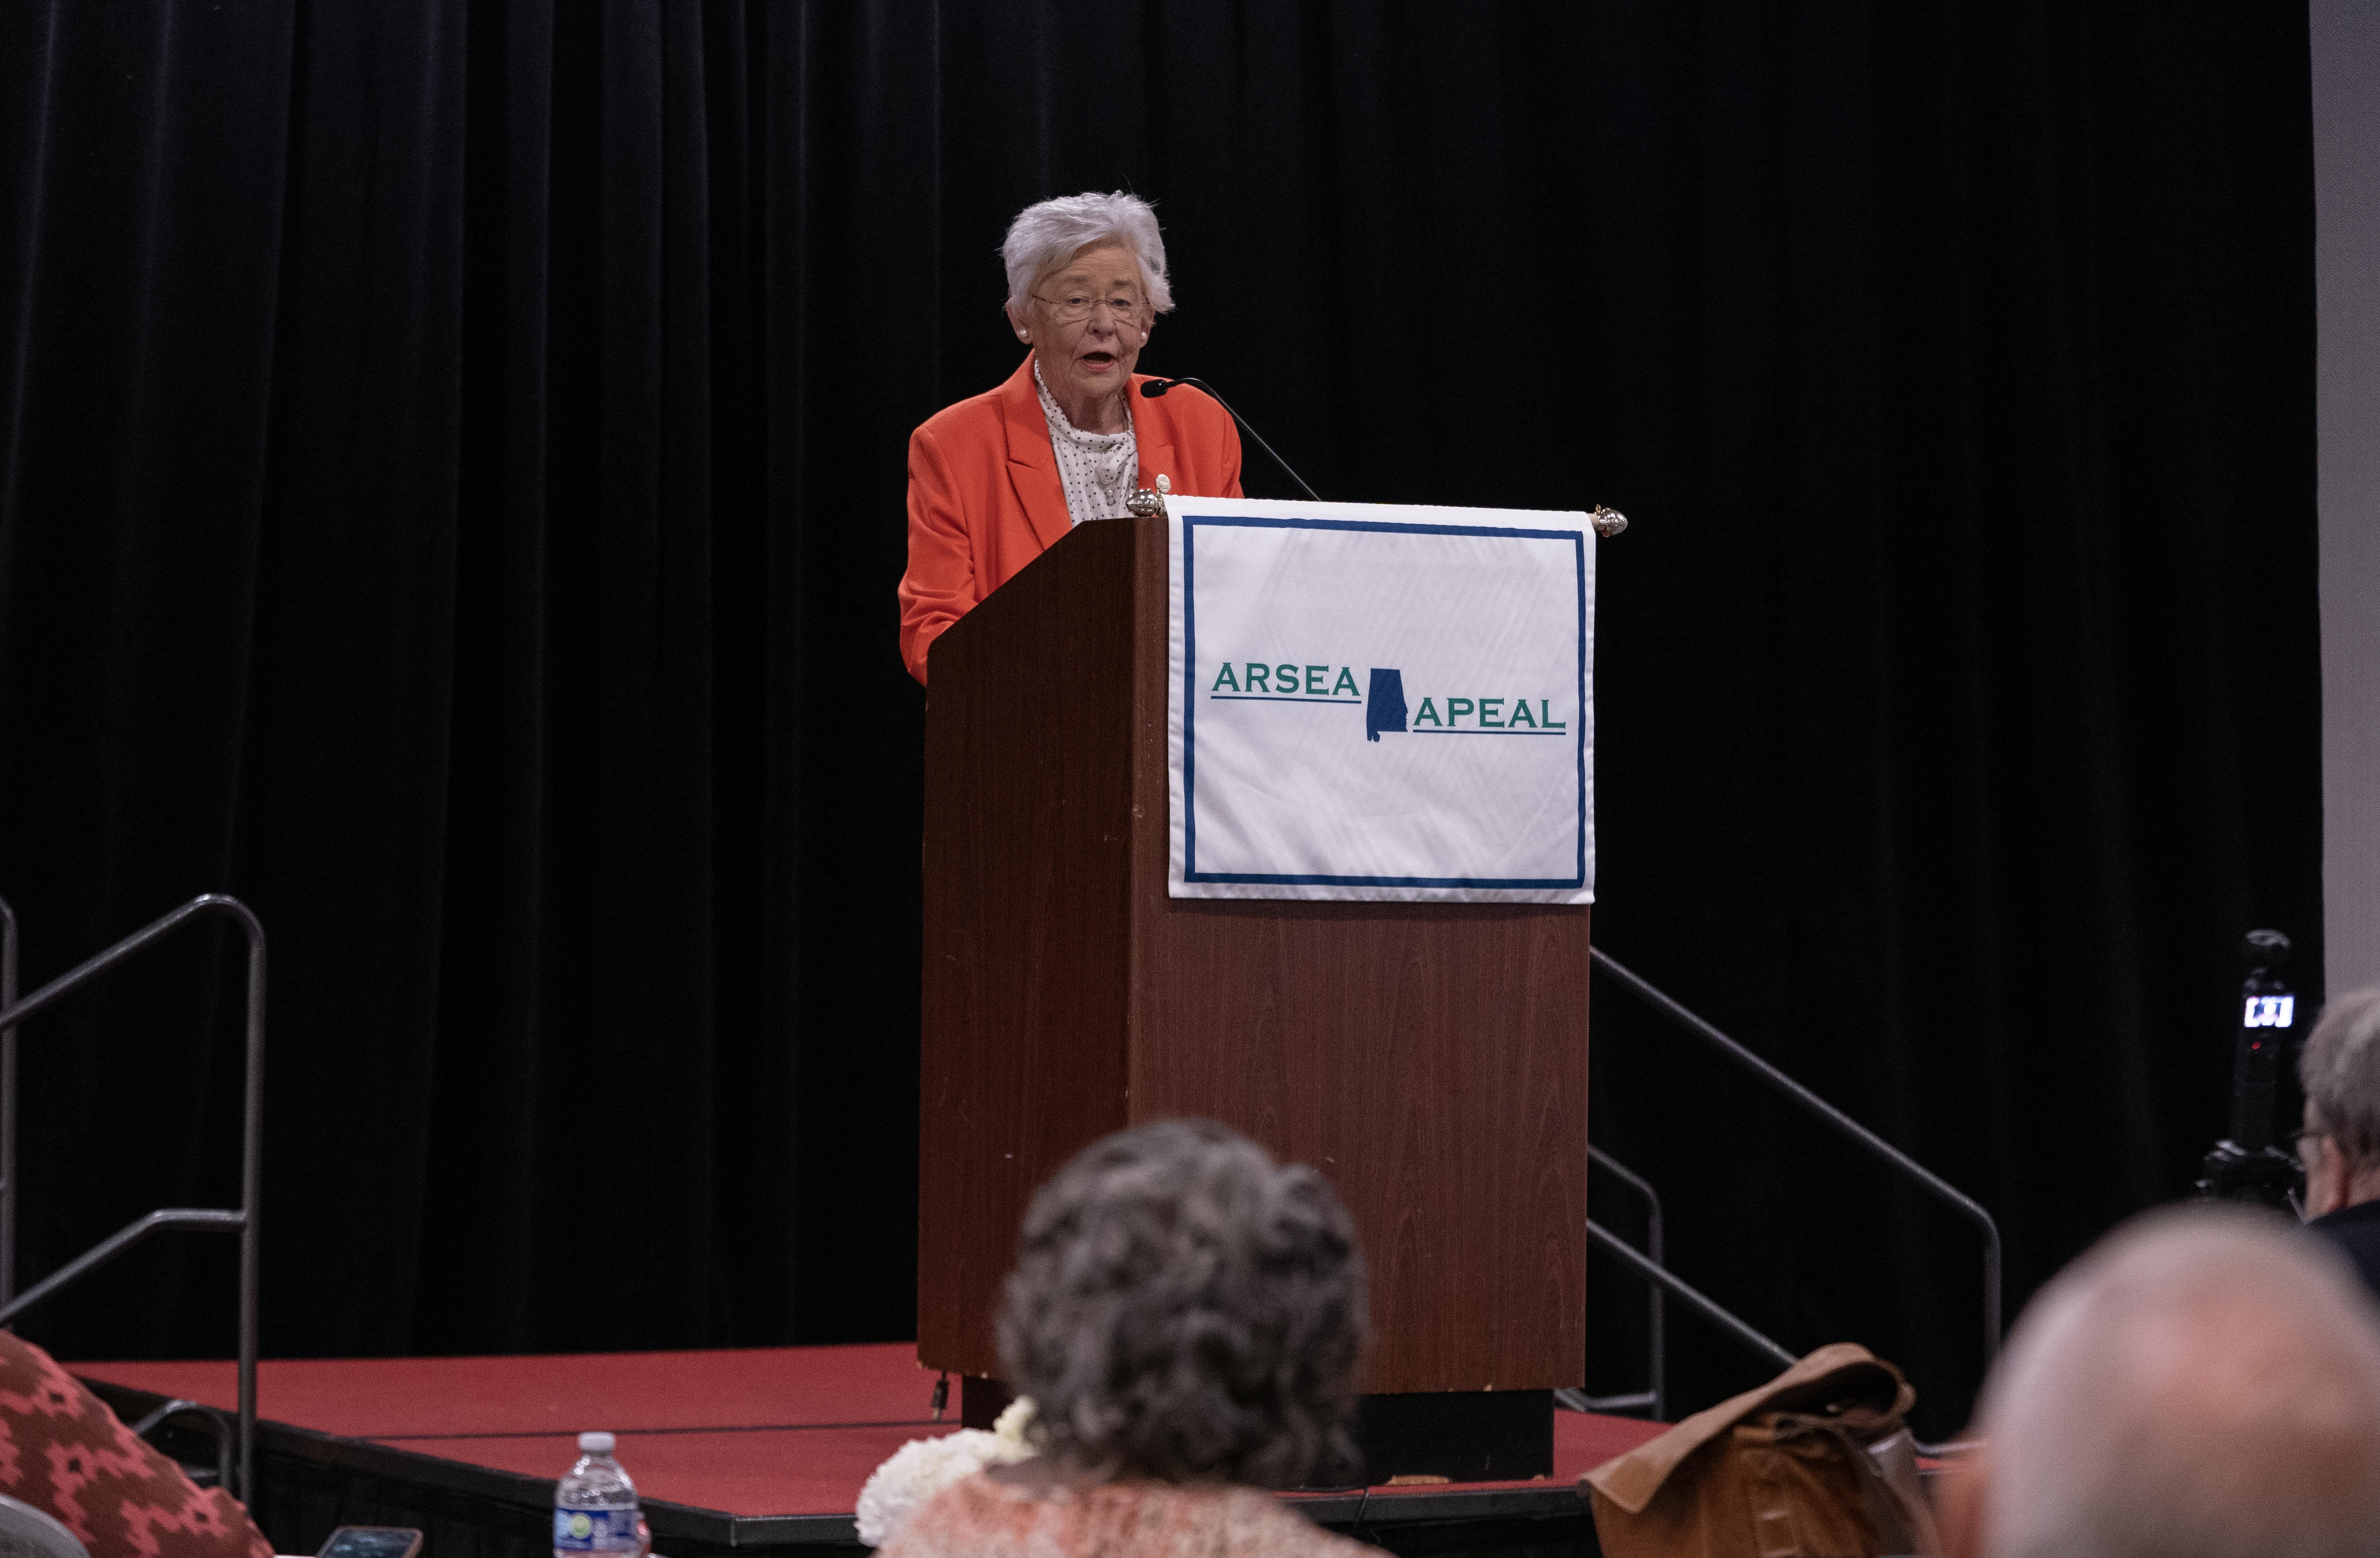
[1028,803]
[1430,1059]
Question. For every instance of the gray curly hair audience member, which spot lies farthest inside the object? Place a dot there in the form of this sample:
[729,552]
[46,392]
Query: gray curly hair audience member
[1187,1316]
[2203,1383]
[1182,1308]
[2341,1146]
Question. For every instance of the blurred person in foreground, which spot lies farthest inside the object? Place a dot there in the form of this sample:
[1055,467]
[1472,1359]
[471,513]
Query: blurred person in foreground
[63,1452]
[1187,1316]
[2340,1145]
[2203,1384]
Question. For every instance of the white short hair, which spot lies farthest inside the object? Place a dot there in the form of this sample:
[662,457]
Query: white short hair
[1046,236]
[2204,1383]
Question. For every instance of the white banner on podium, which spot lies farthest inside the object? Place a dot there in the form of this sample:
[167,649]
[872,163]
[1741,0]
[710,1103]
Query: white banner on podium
[1382,703]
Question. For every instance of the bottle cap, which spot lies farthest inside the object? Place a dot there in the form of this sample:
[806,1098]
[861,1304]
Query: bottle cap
[595,1443]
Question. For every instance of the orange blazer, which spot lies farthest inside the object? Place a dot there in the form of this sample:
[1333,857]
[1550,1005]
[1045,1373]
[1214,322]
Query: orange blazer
[985,498]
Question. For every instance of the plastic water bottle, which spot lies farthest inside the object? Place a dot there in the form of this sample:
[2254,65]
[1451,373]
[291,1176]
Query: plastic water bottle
[595,1506]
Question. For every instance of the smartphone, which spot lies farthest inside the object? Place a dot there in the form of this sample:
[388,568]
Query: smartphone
[372,1541]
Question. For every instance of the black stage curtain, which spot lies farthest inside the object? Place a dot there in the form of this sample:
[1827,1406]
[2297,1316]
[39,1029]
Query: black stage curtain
[451,496]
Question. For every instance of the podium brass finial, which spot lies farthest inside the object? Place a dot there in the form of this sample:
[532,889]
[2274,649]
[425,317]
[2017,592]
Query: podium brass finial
[1143,502]
[1608,522]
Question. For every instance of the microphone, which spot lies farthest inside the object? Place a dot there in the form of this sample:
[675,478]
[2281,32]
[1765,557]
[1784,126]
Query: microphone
[1155,387]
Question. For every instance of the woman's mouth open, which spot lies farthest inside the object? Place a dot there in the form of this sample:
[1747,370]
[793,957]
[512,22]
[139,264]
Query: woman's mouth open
[1097,363]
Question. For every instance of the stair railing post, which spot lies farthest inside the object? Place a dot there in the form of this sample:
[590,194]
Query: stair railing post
[251,1198]
[7,1105]
[1657,1328]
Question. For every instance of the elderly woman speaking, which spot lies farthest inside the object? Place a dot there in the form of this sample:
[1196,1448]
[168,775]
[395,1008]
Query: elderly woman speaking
[996,480]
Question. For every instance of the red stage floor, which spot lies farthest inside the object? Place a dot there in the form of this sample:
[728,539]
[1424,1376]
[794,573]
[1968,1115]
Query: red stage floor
[775,1432]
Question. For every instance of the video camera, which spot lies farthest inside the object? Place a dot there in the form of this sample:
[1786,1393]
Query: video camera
[2245,1165]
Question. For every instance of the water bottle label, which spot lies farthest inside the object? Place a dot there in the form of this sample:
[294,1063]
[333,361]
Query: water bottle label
[594,1530]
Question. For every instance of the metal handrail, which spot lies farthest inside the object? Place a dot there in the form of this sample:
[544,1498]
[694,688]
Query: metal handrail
[251,1159]
[1657,1370]
[1893,1157]
[216,1426]
[1693,1298]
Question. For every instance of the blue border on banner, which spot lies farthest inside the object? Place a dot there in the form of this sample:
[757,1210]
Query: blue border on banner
[1190,871]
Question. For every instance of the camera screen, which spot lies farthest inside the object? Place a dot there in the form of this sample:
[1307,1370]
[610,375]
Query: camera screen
[2269,1011]
[370,1542]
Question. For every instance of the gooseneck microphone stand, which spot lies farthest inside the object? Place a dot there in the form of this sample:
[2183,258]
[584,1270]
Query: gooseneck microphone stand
[1157,387]
[1608,522]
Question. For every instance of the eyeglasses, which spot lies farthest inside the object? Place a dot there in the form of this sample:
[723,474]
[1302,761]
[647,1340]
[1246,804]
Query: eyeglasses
[1076,307]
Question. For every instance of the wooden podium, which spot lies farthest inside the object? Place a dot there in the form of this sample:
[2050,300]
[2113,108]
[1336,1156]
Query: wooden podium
[1430,1059]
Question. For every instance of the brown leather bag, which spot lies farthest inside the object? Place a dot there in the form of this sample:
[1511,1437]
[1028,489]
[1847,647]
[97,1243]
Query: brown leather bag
[1784,1471]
